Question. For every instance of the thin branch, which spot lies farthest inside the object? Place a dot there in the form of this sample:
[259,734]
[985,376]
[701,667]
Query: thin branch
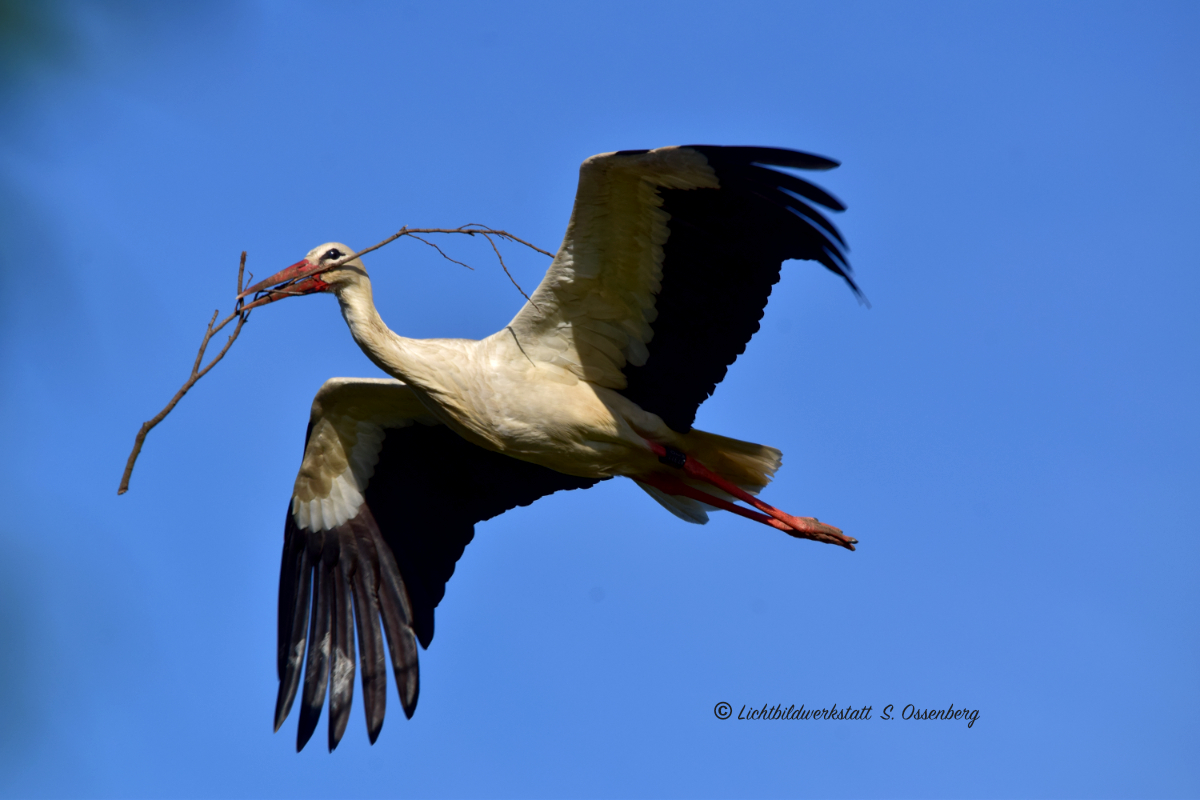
[241,312]
[504,267]
[197,373]
[506,235]
[470,229]
[435,247]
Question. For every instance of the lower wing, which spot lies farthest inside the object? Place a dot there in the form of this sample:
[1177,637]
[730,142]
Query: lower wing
[384,505]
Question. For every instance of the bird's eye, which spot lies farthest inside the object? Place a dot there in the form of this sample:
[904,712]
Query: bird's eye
[335,253]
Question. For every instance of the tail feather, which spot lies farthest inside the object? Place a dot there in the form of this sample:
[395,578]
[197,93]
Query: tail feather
[685,508]
[750,466]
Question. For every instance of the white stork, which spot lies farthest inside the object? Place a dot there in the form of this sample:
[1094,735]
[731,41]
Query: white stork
[662,277]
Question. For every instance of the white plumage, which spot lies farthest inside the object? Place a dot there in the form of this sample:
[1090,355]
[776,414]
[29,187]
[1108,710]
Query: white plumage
[663,273]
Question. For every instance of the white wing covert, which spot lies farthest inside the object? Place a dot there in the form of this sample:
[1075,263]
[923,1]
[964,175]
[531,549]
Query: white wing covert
[593,310]
[667,264]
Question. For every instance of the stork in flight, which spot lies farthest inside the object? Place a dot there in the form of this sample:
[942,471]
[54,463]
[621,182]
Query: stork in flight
[662,277]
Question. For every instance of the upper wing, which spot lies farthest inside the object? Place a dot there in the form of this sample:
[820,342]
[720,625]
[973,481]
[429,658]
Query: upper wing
[667,264]
[385,502]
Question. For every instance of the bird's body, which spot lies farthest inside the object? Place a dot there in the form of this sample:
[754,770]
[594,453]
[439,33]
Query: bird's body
[481,389]
[661,279]
[491,393]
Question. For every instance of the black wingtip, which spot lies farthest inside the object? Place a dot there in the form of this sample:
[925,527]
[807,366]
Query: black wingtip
[409,708]
[408,686]
[304,731]
[772,156]
[281,713]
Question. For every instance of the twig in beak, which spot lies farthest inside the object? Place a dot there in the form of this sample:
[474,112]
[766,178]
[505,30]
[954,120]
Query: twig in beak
[241,312]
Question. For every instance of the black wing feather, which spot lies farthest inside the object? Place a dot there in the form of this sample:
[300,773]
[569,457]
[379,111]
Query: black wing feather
[293,616]
[316,667]
[388,563]
[722,256]
[724,155]
[773,180]
[341,668]
[397,622]
[370,641]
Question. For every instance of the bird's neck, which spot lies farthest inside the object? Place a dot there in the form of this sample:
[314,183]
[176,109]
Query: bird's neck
[396,355]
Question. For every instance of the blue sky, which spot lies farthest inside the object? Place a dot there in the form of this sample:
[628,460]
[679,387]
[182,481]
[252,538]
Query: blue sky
[1010,430]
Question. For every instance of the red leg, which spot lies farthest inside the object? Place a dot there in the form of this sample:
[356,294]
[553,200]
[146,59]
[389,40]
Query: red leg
[801,527]
[804,527]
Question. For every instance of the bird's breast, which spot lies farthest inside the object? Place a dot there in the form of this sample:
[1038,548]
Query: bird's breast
[529,414]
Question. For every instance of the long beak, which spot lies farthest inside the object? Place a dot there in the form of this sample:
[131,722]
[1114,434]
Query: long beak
[300,278]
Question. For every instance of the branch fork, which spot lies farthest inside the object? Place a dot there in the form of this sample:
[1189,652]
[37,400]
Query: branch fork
[242,309]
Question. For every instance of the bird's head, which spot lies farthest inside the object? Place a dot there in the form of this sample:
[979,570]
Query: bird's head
[328,268]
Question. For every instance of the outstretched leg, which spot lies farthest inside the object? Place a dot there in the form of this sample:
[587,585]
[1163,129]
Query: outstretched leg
[801,527]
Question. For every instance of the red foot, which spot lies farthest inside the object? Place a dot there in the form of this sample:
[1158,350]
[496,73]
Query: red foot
[800,527]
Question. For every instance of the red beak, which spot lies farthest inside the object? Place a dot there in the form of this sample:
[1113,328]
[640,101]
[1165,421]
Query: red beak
[300,278]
